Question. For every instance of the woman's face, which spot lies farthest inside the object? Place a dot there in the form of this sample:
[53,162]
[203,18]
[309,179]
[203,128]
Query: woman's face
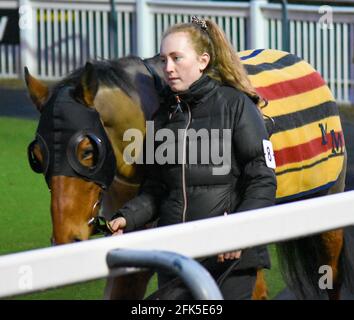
[182,65]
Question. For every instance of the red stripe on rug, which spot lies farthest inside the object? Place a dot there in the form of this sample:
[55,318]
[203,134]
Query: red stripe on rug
[306,150]
[291,87]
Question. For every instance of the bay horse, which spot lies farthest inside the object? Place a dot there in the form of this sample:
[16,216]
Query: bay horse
[306,134]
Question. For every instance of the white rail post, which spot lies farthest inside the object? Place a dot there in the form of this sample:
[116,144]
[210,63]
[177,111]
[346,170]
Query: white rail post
[257,35]
[28,37]
[144,29]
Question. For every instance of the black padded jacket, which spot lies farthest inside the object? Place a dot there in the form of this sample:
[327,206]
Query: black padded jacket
[177,192]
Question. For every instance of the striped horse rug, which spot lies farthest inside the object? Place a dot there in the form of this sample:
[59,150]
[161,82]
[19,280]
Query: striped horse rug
[307,139]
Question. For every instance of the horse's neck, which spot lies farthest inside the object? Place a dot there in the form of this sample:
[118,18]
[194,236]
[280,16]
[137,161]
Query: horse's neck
[145,82]
[122,191]
[156,64]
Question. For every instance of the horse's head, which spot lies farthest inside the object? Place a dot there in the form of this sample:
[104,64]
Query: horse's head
[79,144]
[72,150]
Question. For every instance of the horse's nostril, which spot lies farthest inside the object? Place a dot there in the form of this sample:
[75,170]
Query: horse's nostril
[77,240]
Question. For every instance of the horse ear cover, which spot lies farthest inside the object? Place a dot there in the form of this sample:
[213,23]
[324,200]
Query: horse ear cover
[38,91]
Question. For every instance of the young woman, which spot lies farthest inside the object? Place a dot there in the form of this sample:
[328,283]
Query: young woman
[208,89]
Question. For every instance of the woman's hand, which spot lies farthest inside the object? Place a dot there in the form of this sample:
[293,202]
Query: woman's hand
[117,225]
[229,255]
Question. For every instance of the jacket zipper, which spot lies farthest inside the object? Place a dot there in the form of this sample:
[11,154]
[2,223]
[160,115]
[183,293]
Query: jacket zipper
[184,161]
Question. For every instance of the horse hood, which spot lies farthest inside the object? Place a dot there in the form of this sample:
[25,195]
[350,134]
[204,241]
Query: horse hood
[63,124]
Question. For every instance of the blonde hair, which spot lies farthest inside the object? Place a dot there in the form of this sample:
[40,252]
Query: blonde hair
[225,65]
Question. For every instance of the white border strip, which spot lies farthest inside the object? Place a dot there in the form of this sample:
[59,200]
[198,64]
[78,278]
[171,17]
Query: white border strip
[67,264]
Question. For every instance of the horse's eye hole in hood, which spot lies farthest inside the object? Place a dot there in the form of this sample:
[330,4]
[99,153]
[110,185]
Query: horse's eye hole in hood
[87,152]
[38,155]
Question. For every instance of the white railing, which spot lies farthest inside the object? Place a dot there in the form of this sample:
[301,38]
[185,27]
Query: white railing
[230,16]
[51,267]
[65,34]
[70,33]
[328,47]
[9,61]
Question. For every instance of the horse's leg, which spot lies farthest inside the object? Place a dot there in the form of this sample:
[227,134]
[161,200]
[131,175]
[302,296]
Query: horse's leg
[333,240]
[260,291]
[127,287]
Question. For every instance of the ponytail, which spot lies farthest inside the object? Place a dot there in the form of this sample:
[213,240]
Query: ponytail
[226,65]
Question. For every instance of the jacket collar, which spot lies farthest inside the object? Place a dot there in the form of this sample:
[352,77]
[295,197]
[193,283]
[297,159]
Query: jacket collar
[197,93]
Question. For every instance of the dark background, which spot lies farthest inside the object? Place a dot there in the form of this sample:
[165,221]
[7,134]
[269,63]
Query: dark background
[12,31]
